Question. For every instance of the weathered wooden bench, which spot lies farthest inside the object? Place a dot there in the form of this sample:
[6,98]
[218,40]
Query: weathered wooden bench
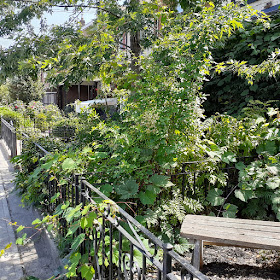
[207,230]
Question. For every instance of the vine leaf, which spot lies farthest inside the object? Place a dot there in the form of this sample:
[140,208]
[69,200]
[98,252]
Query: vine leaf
[273,183]
[68,164]
[20,228]
[147,197]
[154,189]
[267,147]
[228,157]
[73,228]
[240,165]
[106,189]
[46,165]
[54,197]
[127,189]
[161,181]
[84,222]
[214,197]
[20,240]
[231,210]
[87,272]
[78,241]
[244,195]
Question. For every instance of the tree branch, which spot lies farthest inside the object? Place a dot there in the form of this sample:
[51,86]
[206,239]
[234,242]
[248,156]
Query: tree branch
[68,6]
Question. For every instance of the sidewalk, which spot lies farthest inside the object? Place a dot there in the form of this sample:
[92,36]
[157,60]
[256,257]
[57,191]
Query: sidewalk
[10,263]
[39,258]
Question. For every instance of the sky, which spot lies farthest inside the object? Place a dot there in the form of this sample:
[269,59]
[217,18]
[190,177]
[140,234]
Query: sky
[58,17]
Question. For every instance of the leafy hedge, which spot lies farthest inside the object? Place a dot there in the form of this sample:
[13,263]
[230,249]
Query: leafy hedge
[10,115]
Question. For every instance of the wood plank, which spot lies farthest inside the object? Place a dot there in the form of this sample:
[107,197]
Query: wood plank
[211,228]
[261,228]
[234,239]
[243,234]
[234,229]
[232,220]
[239,232]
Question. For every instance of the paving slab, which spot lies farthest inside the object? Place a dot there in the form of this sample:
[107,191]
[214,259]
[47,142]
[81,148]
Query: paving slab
[11,266]
[39,258]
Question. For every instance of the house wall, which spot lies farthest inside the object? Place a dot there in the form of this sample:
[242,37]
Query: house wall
[86,92]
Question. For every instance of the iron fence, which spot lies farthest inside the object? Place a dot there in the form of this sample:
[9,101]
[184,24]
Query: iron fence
[120,247]
[194,181]
[8,134]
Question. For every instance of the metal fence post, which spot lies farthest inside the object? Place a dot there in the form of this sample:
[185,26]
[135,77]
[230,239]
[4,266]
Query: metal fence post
[14,144]
[167,260]
[8,134]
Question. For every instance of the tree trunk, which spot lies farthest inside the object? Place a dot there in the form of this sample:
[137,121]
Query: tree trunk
[135,50]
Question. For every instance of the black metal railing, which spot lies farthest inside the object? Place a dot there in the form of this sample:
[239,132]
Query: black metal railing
[194,181]
[120,247]
[8,134]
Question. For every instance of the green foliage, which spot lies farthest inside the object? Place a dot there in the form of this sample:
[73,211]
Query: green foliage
[5,97]
[254,141]
[65,127]
[26,89]
[136,157]
[229,93]
[2,251]
[12,116]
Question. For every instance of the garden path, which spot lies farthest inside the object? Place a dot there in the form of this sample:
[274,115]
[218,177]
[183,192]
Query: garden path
[39,258]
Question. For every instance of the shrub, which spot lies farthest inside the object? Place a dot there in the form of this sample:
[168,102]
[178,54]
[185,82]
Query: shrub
[11,116]
[34,108]
[26,89]
[52,113]
[40,121]
[65,128]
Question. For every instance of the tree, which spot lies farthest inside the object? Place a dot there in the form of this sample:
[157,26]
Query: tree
[5,97]
[26,89]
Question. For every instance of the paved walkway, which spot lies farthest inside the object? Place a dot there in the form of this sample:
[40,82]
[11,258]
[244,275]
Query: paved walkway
[39,258]
[10,263]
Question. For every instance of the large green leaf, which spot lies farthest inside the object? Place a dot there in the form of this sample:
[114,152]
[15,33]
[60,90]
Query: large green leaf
[231,210]
[68,164]
[244,195]
[73,228]
[87,272]
[127,189]
[147,197]
[228,157]
[78,241]
[106,189]
[71,213]
[268,146]
[100,155]
[240,165]
[214,197]
[47,165]
[154,189]
[160,181]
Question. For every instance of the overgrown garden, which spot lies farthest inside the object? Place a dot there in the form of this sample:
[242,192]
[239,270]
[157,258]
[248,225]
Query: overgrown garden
[160,157]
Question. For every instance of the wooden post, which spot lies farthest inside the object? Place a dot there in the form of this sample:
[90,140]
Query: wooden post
[79,91]
[197,257]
